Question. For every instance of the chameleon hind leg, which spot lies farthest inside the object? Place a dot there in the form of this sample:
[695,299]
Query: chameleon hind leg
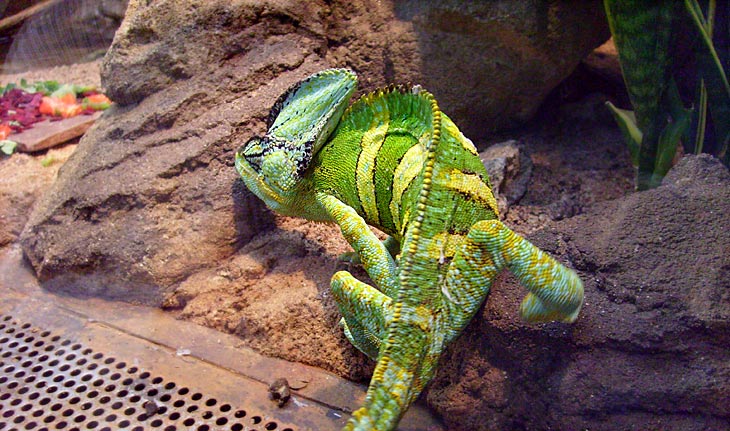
[375,257]
[365,310]
[555,292]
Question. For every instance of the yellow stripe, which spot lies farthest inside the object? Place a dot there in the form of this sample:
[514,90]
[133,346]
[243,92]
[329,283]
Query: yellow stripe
[472,186]
[453,131]
[371,142]
[408,168]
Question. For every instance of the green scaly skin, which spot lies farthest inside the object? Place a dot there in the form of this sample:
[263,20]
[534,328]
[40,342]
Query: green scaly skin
[396,162]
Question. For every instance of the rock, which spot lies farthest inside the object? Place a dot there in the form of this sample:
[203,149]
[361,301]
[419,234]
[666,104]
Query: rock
[525,49]
[151,196]
[509,171]
[650,348]
[488,63]
[603,61]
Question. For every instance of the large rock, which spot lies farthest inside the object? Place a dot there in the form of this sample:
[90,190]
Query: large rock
[151,195]
[650,350]
[490,64]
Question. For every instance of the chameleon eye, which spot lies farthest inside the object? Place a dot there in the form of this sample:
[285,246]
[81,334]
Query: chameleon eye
[252,152]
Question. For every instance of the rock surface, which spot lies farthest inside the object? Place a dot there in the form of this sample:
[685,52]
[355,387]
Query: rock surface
[509,170]
[650,348]
[151,196]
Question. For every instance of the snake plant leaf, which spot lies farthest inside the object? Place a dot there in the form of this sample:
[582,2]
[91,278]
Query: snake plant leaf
[716,86]
[642,33]
[668,141]
[627,124]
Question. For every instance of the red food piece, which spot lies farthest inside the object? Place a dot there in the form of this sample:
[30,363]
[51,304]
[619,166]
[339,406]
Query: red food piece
[5,131]
[19,109]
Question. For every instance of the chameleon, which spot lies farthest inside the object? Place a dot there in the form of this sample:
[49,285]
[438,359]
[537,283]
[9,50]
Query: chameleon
[394,161]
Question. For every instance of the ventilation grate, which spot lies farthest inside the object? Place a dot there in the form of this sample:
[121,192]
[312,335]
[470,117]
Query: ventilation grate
[51,383]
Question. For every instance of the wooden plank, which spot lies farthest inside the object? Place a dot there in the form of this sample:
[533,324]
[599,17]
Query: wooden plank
[21,16]
[47,133]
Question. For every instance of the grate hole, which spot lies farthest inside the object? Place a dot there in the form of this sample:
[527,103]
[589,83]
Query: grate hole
[63,385]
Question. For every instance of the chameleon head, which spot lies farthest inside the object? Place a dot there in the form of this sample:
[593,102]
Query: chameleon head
[268,171]
[301,120]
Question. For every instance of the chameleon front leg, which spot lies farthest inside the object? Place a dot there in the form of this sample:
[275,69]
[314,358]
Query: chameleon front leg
[374,255]
[555,292]
[391,244]
[365,310]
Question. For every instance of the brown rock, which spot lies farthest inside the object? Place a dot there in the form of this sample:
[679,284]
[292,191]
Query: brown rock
[151,196]
[650,348]
[509,170]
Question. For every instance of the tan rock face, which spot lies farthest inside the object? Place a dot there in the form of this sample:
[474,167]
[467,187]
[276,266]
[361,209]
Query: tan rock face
[151,195]
[490,64]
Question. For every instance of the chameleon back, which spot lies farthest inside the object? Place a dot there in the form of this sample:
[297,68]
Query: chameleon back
[374,163]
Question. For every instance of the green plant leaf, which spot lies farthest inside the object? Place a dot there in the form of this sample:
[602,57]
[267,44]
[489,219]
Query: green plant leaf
[716,83]
[8,146]
[668,141]
[699,121]
[627,123]
[704,29]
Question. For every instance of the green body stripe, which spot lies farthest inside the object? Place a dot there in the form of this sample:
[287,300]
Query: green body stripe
[331,165]
[392,152]
[473,187]
[371,143]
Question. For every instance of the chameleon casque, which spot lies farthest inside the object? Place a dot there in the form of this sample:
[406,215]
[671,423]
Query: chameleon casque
[393,160]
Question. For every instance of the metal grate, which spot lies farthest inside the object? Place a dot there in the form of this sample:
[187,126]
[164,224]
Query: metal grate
[51,383]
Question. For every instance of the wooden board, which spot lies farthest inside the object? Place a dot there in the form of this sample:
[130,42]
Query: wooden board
[26,13]
[47,133]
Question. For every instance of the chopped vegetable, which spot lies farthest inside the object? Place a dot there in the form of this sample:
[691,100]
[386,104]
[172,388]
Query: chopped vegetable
[47,161]
[60,107]
[5,131]
[7,146]
[97,102]
[22,106]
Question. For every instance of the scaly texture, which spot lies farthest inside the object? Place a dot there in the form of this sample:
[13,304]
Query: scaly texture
[393,160]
